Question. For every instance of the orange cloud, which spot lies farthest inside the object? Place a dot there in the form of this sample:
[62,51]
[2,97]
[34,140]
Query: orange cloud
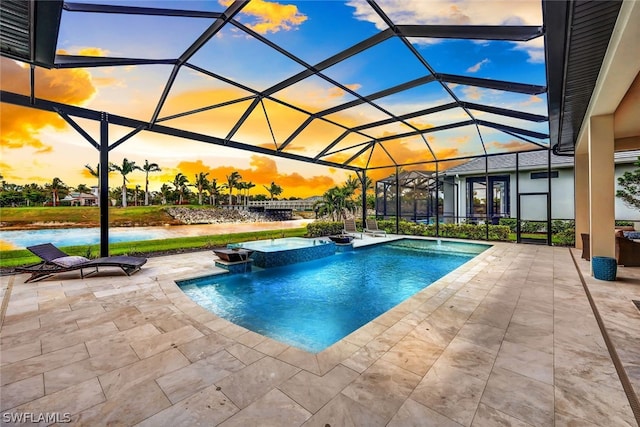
[513,145]
[271,17]
[21,126]
[262,171]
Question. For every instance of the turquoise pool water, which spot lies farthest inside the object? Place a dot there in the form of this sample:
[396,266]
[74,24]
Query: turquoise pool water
[311,305]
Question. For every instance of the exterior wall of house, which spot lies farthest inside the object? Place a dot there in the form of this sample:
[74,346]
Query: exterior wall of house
[562,195]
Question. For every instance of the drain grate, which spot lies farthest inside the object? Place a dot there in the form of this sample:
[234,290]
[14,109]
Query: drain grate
[637,303]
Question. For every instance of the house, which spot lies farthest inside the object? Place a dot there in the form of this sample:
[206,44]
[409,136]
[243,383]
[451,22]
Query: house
[463,195]
[80,199]
[530,185]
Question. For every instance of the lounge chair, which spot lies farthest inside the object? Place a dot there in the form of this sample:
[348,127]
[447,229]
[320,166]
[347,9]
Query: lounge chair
[627,252]
[56,261]
[372,228]
[350,228]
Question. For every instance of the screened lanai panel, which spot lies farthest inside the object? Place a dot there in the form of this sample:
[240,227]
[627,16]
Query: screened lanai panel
[498,141]
[528,103]
[314,94]
[345,142]
[359,115]
[269,126]
[421,97]
[217,122]
[389,130]
[16,76]
[242,58]
[439,118]
[137,84]
[283,120]
[360,151]
[528,125]
[136,36]
[407,150]
[299,23]
[488,59]
[381,66]
[193,90]
[313,138]
[452,143]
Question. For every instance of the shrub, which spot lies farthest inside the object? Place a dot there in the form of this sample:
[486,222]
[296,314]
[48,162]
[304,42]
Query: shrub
[566,237]
[324,228]
[509,222]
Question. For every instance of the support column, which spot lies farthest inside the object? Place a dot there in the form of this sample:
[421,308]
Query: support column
[601,186]
[581,191]
[364,198]
[398,201]
[104,185]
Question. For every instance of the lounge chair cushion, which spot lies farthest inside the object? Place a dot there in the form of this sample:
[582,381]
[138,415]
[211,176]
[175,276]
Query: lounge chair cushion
[70,261]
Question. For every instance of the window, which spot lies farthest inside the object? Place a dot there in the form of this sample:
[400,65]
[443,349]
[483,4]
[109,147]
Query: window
[541,175]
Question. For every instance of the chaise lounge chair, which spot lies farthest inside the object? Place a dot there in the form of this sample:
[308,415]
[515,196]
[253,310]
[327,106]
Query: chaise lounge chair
[350,228]
[56,261]
[372,228]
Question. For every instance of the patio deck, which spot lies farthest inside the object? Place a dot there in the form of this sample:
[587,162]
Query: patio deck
[509,339]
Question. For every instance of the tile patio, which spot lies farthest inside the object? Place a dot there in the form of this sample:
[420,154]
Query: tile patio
[508,339]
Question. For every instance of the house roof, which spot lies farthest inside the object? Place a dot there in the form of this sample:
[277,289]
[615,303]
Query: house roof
[533,160]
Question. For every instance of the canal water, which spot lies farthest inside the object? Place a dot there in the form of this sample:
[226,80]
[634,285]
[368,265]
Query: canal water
[20,239]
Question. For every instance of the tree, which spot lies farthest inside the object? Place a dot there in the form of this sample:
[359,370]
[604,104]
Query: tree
[135,195]
[165,192]
[82,188]
[201,183]
[232,181]
[630,187]
[248,186]
[180,182]
[125,169]
[215,190]
[334,202]
[147,168]
[56,187]
[273,189]
[96,173]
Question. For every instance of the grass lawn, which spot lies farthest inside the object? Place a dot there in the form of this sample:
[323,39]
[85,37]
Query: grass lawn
[85,216]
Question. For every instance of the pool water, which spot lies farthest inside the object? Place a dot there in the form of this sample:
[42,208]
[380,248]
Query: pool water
[276,245]
[311,305]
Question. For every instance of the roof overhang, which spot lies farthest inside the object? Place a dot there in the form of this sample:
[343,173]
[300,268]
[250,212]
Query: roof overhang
[577,38]
[30,30]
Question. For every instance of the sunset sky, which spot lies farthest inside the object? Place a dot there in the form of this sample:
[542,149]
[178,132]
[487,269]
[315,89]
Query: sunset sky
[38,146]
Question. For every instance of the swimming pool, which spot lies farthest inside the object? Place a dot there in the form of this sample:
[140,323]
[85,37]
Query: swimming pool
[312,305]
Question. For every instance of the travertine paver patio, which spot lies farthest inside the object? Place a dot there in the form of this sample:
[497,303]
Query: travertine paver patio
[507,339]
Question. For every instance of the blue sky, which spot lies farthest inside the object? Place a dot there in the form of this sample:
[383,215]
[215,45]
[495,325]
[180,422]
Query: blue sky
[311,30]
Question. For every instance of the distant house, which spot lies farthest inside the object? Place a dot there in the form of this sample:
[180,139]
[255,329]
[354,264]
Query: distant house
[463,193]
[80,199]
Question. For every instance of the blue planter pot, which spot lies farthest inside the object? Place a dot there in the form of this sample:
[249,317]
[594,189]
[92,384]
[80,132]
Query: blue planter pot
[604,268]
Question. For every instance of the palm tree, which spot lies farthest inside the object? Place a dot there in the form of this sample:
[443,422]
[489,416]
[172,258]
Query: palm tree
[334,202]
[241,186]
[135,195]
[180,182]
[82,188]
[96,174]
[165,190]
[56,187]
[125,169]
[248,186]
[232,181]
[201,184]
[148,167]
[215,190]
[273,189]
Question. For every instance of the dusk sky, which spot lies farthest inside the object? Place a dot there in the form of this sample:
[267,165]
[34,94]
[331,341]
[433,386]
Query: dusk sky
[38,146]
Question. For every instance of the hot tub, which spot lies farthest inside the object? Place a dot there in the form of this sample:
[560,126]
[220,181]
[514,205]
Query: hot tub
[289,250]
